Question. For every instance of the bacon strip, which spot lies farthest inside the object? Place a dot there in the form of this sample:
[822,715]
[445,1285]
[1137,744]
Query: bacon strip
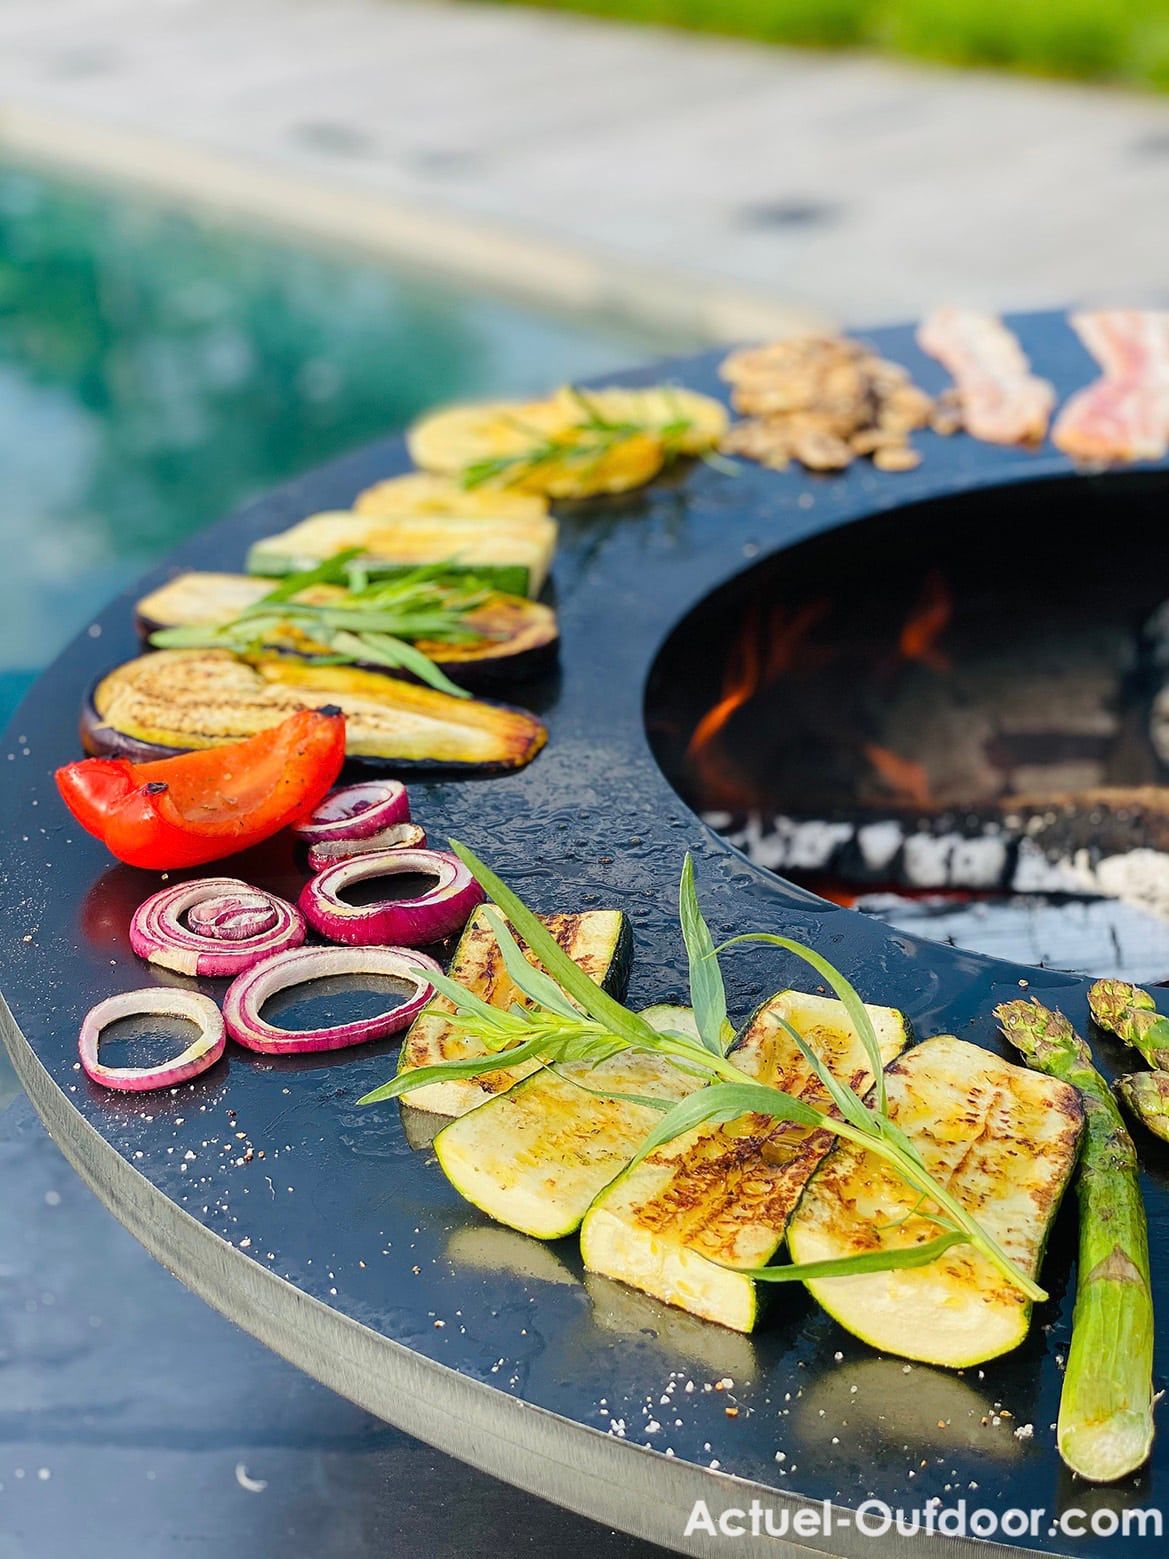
[1124,415]
[1002,401]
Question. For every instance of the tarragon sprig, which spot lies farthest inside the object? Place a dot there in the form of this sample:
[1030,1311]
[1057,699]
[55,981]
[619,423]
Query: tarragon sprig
[569,1018]
[353,620]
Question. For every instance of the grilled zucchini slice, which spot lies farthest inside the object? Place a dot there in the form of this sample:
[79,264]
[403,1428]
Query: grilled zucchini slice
[598,940]
[450,439]
[535,1157]
[512,555]
[421,493]
[545,447]
[517,636]
[721,1196]
[1004,1142]
[176,700]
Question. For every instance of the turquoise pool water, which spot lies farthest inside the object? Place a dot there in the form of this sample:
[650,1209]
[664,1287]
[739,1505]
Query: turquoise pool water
[157,368]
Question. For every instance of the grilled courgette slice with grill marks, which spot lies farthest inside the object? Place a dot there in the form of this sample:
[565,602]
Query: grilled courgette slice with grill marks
[1004,1142]
[598,940]
[721,1196]
[536,1156]
[512,554]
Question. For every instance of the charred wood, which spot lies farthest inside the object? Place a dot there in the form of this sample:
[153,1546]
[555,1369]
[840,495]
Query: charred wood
[1112,842]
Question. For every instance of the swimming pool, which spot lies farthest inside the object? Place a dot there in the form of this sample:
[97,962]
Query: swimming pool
[158,367]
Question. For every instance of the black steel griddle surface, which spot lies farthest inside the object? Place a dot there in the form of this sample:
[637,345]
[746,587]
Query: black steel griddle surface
[341,1207]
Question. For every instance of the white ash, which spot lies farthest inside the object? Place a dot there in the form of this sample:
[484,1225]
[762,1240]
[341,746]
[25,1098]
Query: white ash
[927,859]
[1137,877]
[979,863]
[879,843]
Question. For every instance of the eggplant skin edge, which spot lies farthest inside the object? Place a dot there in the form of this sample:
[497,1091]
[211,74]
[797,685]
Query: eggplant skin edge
[100,740]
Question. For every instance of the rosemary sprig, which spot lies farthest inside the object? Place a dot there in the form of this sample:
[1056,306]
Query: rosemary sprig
[584,449]
[572,1019]
[583,444]
[351,620]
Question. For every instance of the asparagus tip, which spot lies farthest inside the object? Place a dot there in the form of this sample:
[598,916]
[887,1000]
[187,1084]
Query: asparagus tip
[1146,1096]
[1035,1031]
[1131,1014]
[1113,1002]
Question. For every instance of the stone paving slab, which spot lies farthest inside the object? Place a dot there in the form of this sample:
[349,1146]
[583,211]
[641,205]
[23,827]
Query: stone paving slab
[135,1420]
[580,158]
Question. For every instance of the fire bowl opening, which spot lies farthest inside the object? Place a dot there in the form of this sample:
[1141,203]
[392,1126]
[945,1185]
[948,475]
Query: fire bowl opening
[955,715]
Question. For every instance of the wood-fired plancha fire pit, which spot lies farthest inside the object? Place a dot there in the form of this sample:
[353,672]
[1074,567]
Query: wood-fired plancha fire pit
[968,703]
[348,1252]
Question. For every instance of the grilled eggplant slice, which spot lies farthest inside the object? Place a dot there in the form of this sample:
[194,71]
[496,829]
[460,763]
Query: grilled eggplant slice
[598,940]
[721,1196]
[518,636]
[536,1156]
[176,700]
[512,554]
[1004,1142]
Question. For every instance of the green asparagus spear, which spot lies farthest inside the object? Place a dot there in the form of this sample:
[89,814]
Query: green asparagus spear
[1129,1013]
[1106,1409]
[1146,1094]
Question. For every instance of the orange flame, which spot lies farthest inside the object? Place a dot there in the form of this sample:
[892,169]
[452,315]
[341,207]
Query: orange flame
[755,660]
[906,780]
[739,684]
[926,623]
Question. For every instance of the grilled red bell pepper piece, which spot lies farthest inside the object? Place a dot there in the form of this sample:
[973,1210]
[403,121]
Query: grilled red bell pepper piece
[201,806]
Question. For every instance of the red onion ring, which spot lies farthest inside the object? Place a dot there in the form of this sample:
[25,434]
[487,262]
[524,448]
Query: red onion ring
[435,914]
[233,919]
[197,1057]
[246,997]
[356,811]
[397,836]
[218,925]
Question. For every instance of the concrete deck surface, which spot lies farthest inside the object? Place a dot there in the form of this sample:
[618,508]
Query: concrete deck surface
[134,1420]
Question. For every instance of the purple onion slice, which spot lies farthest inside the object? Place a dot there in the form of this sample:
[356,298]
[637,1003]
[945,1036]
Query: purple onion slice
[215,926]
[243,1005]
[442,909]
[202,1052]
[397,836]
[356,811]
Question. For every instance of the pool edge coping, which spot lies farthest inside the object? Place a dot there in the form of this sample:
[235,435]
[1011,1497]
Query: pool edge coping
[509,260]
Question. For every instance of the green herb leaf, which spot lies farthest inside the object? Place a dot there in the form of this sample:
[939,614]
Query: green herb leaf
[647,1101]
[853,1005]
[386,651]
[443,1071]
[535,984]
[851,1266]
[722,1102]
[465,1000]
[707,992]
[549,1036]
[333,571]
[846,1100]
[568,975]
